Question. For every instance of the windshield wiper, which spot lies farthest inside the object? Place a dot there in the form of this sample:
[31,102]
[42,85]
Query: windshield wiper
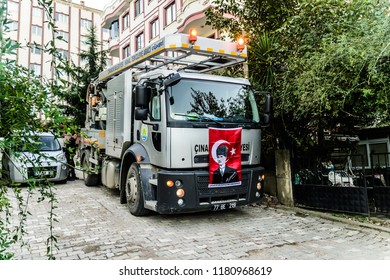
[196,117]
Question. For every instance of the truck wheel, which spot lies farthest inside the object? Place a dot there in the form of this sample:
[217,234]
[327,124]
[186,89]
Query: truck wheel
[134,192]
[89,179]
[122,195]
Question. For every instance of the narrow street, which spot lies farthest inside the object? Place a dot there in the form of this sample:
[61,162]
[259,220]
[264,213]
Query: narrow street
[92,224]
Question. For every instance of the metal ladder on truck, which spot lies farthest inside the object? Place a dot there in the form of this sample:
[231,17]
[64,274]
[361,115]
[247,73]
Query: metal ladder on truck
[191,53]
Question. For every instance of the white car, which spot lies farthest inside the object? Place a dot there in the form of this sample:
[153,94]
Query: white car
[49,163]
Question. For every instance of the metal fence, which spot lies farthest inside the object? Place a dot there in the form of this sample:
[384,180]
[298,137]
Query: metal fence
[379,182]
[339,185]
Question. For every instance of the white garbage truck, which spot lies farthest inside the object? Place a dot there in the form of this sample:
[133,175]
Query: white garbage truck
[148,125]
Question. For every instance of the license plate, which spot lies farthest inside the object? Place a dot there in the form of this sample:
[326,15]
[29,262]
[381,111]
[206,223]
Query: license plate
[224,206]
[43,173]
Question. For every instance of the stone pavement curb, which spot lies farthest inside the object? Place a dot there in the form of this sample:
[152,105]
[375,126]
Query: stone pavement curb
[330,216]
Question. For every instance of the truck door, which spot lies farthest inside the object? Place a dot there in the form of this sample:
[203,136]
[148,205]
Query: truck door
[152,133]
[155,116]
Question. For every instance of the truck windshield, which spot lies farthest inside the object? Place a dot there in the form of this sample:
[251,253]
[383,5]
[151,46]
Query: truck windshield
[201,100]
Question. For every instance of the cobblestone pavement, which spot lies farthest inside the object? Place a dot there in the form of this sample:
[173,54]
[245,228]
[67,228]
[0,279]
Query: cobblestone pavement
[92,224]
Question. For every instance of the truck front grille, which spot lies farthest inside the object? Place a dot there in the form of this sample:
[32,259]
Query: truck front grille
[213,195]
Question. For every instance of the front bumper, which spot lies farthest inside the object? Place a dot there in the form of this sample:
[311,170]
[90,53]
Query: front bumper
[199,197]
[55,172]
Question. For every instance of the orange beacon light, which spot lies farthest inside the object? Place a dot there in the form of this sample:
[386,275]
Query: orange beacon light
[193,36]
[240,44]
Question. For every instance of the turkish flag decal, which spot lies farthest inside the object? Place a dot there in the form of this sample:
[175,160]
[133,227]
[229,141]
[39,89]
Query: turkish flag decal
[224,157]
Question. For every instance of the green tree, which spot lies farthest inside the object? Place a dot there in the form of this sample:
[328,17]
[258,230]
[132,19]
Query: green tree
[325,61]
[81,78]
[337,57]
[257,21]
[24,99]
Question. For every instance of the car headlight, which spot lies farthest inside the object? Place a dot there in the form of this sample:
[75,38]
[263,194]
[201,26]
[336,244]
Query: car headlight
[19,160]
[61,157]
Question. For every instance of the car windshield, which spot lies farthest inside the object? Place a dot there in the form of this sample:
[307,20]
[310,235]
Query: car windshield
[41,143]
[49,143]
[201,100]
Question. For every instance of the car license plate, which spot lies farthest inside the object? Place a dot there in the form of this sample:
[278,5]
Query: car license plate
[43,173]
[224,206]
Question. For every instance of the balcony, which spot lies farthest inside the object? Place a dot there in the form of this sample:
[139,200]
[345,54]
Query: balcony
[113,46]
[113,11]
[192,15]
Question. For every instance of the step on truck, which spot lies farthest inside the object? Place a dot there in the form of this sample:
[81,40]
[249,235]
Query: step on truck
[172,137]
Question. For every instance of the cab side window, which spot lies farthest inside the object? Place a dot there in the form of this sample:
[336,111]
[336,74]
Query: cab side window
[155,105]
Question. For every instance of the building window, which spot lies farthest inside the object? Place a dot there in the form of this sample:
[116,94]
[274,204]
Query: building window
[36,30]
[154,31]
[86,23]
[126,21]
[37,13]
[64,54]
[139,7]
[114,29]
[83,40]
[62,74]
[62,35]
[36,68]
[139,41]
[372,153]
[62,18]
[13,7]
[12,26]
[126,51]
[35,49]
[379,155]
[362,156]
[170,13]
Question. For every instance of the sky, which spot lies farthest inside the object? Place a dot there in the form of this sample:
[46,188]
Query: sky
[97,4]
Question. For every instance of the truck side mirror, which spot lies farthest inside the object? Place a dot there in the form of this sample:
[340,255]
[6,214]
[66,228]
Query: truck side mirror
[268,104]
[268,110]
[141,114]
[266,120]
[142,96]
[172,80]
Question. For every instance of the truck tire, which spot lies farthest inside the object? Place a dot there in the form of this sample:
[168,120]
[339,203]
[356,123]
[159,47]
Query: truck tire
[89,178]
[122,195]
[134,192]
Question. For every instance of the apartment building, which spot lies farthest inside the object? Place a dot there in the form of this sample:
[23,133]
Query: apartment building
[123,27]
[27,26]
[134,24]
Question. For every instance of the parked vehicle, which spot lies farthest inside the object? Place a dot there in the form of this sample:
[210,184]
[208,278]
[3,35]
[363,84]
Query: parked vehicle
[157,127]
[47,161]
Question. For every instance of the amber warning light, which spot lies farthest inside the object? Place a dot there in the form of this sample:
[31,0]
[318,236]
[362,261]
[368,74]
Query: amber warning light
[193,36]
[240,44]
